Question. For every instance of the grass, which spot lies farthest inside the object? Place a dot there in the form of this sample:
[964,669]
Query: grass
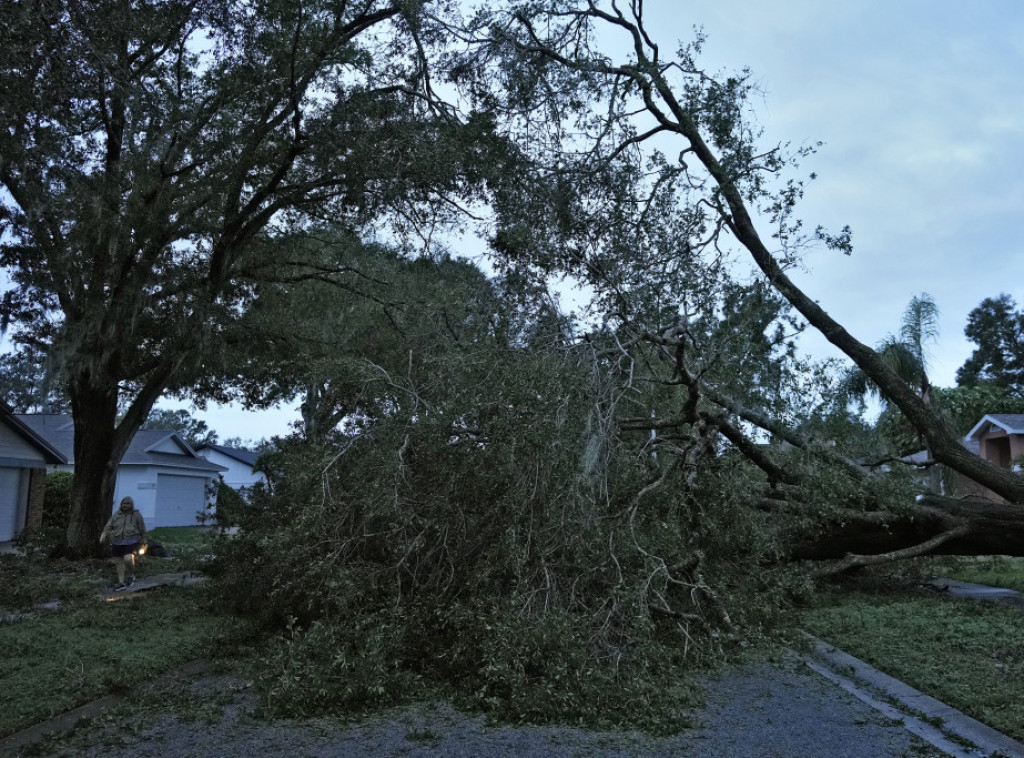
[184,538]
[26,583]
[55,662]
[993,570]
[90,647]
[966,653]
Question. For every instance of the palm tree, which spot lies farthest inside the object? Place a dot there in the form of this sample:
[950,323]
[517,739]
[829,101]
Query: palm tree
[907,356]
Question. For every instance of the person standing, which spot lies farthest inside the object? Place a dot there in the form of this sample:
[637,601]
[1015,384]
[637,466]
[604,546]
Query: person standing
[126,532]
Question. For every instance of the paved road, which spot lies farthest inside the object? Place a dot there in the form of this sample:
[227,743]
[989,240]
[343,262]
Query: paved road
[779,710]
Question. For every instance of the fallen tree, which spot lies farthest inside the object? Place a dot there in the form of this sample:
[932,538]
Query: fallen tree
[935,525]
[643,228]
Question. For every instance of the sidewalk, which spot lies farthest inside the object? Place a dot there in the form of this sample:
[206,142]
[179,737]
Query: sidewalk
[941,726]
[979,591]
[174,579]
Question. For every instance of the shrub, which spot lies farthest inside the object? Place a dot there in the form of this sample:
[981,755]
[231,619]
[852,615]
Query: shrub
[229,504]
[56,513]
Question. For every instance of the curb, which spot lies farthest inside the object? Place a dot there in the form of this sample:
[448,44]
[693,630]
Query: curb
[945,728]
[12,743]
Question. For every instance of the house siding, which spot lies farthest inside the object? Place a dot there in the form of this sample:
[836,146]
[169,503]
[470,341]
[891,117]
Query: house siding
[141,483]
[138,483]
[12,445]
[996,445]
[1001,448]
[238,475]
[12,515]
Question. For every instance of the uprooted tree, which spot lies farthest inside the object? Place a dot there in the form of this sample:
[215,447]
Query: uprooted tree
[625,115]
[541,519]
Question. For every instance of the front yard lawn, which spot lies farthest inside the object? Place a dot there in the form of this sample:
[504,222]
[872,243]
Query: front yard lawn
[96,643]
[54,662]
[992,570]
[967,653]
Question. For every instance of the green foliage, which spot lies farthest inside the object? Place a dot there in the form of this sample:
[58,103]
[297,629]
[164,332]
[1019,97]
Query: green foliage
[56,512]
[30,383]
[57,502]
[479,532]
[905,355]
[961,407]
[997,328]
[229,504]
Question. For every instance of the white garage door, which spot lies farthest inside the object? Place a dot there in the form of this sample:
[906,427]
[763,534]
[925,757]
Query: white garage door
[10,492]
[178,500]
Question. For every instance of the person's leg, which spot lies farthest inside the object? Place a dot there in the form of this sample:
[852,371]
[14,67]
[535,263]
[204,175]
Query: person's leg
[119,565]
[128,567]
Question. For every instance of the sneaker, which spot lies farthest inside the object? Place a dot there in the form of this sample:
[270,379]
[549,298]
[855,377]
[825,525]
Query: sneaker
[120,586]
[130,582]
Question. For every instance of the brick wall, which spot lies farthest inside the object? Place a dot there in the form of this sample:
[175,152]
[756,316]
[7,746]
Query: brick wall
[36,495]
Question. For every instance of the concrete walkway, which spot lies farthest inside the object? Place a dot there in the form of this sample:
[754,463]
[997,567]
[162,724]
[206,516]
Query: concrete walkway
[175,579]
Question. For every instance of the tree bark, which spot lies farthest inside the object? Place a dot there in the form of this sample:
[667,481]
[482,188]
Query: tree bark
[95,413]
[970,526]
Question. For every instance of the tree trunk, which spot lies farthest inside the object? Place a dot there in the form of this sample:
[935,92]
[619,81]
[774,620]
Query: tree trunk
[97,452]
[969,526]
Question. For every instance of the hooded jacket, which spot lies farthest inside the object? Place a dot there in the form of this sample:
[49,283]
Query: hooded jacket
[125,528]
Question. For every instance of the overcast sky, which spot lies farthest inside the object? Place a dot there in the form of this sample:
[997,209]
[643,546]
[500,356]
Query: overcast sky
[921,109]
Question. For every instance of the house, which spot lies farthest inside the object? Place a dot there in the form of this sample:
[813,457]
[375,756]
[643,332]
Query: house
[1000,438]
[239,463]
[24,458]
[170,484]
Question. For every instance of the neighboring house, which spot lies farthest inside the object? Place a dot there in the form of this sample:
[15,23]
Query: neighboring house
[170,484]
[24,457]
[1000,438]
[239,463]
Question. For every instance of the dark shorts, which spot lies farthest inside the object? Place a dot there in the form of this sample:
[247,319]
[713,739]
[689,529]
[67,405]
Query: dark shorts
[119,551]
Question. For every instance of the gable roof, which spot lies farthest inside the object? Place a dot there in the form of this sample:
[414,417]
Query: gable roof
[1011,423]
[248,457]
[51,454]
[149,447]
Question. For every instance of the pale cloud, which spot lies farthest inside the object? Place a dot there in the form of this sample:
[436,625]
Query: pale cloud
[921,107]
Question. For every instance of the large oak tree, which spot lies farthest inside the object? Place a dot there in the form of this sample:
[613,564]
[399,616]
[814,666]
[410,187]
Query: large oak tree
[147,145]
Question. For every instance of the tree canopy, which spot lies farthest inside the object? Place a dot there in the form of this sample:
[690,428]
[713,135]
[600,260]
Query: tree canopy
[194,431]
[997,328]
[31,383]
[716,187]
[146,150]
